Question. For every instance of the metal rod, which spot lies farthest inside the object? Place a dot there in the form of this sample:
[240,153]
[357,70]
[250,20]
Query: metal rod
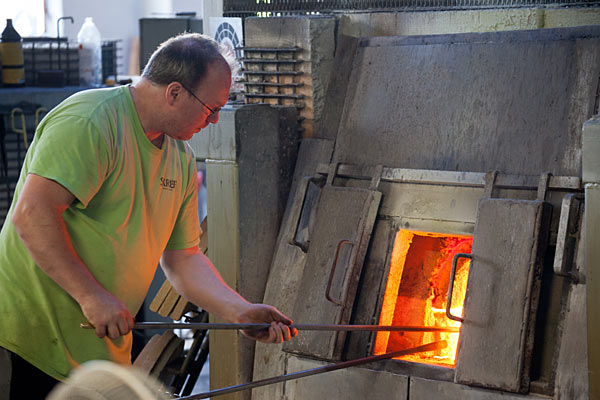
[273,72]
[275,95]
[271,61]
[270,50]
[300,327]
[58,39]
[451,285]
[319,370]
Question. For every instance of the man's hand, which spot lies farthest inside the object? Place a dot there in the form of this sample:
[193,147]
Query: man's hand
[107,314]
[279,330]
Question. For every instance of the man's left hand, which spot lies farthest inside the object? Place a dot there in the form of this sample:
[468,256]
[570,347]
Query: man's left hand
[278,332]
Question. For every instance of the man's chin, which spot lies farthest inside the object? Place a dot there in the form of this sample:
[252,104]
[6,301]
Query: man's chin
[189,135]
[199,129]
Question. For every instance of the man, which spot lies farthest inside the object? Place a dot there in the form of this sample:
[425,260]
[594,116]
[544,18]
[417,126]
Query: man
[107,189]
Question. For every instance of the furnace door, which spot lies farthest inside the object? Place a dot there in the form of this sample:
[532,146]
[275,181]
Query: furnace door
[503,287]
[343,224]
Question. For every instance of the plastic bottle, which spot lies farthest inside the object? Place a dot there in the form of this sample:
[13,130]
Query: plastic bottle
[11,53]
[90,54]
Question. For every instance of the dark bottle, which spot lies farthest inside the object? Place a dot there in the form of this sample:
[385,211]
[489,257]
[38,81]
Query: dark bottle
[11,53]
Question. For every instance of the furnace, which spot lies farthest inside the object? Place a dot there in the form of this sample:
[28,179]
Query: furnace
[416,293]
[445,191]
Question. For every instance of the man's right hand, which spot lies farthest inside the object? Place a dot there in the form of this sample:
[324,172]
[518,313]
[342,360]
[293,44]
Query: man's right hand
[107,314]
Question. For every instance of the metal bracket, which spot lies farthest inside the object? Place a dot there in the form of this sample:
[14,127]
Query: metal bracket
[490,182]
[296,209]
[566,240]
[451,286]
[376,177]
[543,186]
[333,167]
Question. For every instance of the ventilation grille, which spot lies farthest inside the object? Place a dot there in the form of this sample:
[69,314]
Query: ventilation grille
[246,8]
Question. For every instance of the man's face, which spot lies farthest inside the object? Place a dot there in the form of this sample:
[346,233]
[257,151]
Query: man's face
[200,106]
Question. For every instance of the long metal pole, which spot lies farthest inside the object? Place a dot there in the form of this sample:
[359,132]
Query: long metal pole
[300,327]
[319,370]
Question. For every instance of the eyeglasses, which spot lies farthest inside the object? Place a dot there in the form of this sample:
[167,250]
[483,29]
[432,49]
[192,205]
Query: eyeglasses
[212,111]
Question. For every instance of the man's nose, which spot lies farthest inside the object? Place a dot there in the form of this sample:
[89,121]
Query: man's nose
[213,118]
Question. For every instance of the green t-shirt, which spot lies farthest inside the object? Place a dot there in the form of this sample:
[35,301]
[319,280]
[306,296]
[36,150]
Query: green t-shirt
[133,200]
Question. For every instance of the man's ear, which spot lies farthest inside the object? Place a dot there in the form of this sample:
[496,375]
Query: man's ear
[173,92]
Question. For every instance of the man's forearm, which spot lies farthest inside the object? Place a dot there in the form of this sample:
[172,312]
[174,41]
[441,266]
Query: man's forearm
[195,277]
[44,234]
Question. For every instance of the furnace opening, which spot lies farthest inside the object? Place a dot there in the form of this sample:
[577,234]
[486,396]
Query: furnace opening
[416,293]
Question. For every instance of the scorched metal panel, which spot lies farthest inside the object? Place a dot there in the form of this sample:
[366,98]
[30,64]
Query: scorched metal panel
[463,102]
[335,255]
[502,294]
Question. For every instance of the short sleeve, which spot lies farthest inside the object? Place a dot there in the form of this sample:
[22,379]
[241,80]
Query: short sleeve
[186,232]
[73,152]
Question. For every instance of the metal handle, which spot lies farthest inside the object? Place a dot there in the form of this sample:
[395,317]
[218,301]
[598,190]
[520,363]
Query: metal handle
[23,129]
[297,210]
[340,244]
[39,111]
[451,285]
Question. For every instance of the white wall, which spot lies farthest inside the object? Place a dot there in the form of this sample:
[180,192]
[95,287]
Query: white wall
[119,19]
[115,19]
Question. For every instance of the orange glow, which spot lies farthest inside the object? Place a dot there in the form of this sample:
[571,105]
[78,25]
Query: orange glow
[416,292]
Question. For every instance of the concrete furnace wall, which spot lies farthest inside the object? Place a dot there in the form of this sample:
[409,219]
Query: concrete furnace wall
[464,21]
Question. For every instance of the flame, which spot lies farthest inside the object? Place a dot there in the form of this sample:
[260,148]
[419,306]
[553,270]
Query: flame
[422,298]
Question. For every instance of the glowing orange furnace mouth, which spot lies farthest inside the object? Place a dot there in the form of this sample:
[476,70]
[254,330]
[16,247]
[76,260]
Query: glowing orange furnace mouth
[416,293]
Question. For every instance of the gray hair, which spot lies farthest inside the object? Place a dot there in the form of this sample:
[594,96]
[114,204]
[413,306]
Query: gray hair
[185,59]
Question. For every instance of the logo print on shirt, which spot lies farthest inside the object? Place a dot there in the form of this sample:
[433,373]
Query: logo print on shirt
[168,184]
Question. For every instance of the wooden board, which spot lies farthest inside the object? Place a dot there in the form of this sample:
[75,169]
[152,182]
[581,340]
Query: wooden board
[160,297]
[172,351]
[502,294]
[182,306]
[223,242]
[342,214]
[169,303]
[152,351]
[170,300]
